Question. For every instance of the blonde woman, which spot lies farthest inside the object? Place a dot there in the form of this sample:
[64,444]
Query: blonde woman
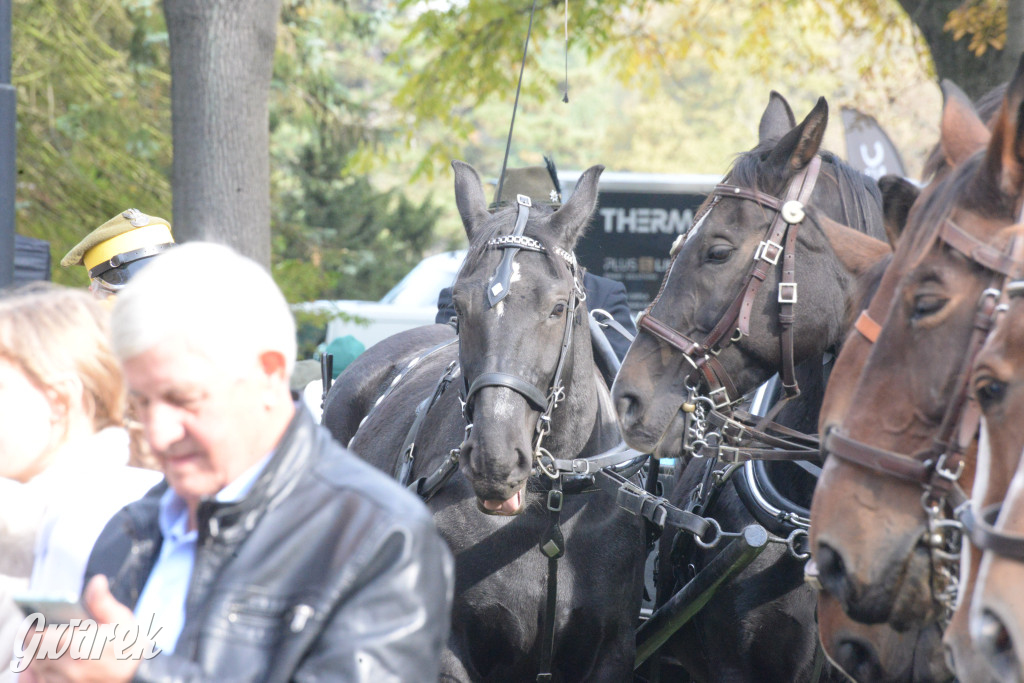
[63,447]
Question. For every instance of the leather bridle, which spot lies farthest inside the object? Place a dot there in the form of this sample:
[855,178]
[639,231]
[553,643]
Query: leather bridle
[779,243]
[981,527]
[498,286]
[939,467]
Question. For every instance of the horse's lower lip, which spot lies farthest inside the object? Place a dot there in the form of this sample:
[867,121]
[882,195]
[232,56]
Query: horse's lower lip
[504,507]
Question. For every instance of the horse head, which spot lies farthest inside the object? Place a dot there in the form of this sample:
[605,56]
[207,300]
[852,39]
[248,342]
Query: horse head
[998,385]
[882,507]
[523,337]
[744,279]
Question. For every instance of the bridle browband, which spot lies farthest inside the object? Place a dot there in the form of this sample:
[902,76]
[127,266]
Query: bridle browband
[779,242]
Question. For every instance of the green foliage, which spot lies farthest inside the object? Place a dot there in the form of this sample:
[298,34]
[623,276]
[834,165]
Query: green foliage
[93,117]
[337,236]
[983,20]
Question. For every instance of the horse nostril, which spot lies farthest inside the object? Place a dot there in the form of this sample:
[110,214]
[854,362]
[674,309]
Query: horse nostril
[832,572]
[949,656]
[991,636]
[628,407]
[858,660]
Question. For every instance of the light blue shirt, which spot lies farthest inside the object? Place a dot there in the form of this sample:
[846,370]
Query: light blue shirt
[162,602]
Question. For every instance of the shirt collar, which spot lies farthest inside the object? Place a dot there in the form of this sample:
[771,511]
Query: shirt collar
[173,515]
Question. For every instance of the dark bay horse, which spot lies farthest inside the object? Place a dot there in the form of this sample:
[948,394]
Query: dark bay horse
[519,383]
[881,520]
[709,321]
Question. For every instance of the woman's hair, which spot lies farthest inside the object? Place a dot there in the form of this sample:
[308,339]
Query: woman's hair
[49,332]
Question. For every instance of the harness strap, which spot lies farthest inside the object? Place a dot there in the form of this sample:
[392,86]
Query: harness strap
[530,392]
[655,509]
[403,470]
[980,252]
[878,459]
[605,319]
[787,298]
[768,253]
[867,326]
[984,535]
[552,545]
[587,466]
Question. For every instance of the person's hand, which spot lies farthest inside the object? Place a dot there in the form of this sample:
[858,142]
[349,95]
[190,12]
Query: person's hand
[91,658]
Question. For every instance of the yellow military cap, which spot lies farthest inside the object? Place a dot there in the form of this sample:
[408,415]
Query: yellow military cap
[128,231]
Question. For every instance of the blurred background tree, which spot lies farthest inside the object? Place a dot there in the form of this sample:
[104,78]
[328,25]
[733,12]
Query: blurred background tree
[371,99]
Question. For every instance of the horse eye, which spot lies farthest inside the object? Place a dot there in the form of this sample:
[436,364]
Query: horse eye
[989,391]
[718,253]
[927,304]
[558,310]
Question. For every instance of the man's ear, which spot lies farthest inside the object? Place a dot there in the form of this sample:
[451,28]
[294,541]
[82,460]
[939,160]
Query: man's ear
[274,366]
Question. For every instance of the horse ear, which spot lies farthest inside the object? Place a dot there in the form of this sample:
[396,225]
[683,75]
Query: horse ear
[962,132]
[571,219]
[898,195]
[798,146]
[1005,157]
[855,250]
[777,119]
[469,197]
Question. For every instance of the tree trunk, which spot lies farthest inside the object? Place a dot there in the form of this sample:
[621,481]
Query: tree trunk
[953,60]
[221,62]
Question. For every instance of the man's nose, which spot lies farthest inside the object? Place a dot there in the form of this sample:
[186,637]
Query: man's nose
[163,426]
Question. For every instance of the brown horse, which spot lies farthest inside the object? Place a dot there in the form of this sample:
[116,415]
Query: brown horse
[997,383]
[876,653]
[868,523]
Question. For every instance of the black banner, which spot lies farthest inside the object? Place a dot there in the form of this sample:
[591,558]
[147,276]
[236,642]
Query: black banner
[630,236]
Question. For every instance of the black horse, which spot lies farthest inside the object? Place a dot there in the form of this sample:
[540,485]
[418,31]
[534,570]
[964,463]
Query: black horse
[714,322]
[519,386]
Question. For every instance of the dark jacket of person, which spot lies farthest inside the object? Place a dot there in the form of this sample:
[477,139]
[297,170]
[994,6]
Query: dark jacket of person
[602,292]
[327,570]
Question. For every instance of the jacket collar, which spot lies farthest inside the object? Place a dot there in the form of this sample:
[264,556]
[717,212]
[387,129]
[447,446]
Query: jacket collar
[231,521]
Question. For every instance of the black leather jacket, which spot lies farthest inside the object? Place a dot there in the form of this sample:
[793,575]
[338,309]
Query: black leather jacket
[327,570]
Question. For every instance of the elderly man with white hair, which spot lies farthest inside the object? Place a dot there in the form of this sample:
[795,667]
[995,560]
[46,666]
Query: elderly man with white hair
[271,553]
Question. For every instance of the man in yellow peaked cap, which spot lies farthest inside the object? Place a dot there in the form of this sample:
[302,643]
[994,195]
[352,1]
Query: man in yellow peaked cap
[118,249]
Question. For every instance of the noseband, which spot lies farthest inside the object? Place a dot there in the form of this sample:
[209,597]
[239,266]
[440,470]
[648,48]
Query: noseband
[779,242]
[497,289]
[938,468]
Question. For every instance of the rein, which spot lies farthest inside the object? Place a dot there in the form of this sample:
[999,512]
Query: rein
[938,468]
[779,242]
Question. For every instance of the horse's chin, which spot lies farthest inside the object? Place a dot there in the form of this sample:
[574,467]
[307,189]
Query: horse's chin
[503,508]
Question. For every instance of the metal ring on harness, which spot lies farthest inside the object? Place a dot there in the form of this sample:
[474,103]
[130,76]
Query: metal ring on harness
[791,542]
[717,528]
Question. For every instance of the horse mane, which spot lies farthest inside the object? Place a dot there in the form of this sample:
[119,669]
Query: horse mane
[859,196]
